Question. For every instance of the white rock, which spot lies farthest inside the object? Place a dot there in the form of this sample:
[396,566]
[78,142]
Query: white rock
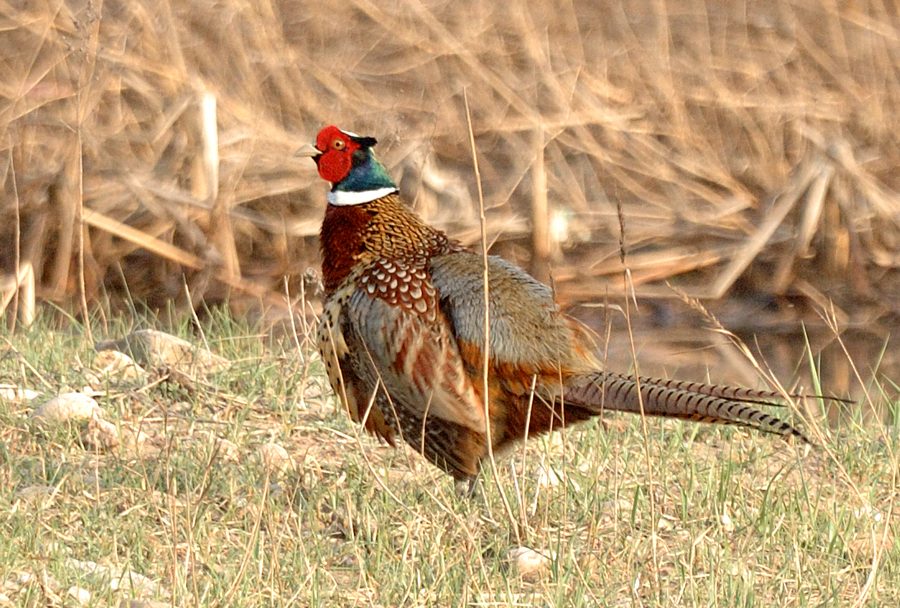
[228,451]
[142,603]
[79,594]
[726,521]
[116,578]
[274,457]
[68,407]
[102,434]
[528,563]
[549,477]
[666,523]
[866,511]
[158,349]
[11,392]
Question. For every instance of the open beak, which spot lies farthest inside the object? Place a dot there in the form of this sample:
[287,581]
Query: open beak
[307,150]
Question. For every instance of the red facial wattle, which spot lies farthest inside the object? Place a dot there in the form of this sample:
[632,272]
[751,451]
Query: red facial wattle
[337,150]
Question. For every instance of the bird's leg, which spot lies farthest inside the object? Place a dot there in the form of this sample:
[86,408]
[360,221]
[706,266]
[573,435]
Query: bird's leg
[470,487]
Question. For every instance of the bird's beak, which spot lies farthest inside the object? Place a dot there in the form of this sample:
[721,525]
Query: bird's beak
[307,150]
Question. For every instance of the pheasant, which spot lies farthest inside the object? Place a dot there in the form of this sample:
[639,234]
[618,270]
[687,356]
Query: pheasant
[402,334]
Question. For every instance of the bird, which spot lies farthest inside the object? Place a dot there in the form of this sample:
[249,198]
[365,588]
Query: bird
[406,340]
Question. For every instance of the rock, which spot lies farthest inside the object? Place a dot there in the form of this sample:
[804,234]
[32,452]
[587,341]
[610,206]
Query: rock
[275,458]
[35,494]
[152,348]
[25,578]
[227,450]
[137,442]
[726,521]
[79,594]
[141,603]
[11,392]
[68,407]
[116,578]
[549,477]
[116,364]
[665,523]
[531,565]
[102,434]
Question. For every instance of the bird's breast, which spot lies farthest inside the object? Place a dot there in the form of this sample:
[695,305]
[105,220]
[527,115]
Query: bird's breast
[341,239]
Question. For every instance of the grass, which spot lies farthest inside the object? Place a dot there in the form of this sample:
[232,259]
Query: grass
[738,519]
[750,146]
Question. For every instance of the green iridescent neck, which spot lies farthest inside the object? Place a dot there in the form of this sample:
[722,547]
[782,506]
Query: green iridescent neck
[367,174]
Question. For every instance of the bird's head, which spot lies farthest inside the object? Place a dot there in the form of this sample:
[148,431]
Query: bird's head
[348,162]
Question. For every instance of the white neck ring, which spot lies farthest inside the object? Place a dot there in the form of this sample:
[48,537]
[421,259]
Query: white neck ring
[343,198]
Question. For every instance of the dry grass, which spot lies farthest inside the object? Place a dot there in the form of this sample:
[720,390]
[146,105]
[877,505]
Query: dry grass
[187,509]
[743,142]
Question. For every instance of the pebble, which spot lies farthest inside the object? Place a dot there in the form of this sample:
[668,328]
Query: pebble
[68,407]
[79,594]
[116,364]
[529,563]
[154,348]
[274,457]
[11,392]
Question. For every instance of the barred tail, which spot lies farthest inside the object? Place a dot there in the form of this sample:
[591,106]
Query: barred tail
[598,391]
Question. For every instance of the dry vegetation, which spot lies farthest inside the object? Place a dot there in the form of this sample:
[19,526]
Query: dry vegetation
[242,485]
[742,142]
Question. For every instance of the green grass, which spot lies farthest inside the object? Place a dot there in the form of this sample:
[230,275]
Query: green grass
[720,517]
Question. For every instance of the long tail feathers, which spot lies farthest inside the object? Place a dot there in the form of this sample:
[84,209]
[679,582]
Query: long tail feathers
[674,399]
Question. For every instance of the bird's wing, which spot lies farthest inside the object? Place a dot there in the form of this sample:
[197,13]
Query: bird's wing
[347,385]
[394,316]
[527,330]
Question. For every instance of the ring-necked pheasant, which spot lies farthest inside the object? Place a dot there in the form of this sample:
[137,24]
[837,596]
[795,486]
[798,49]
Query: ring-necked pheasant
[402,334]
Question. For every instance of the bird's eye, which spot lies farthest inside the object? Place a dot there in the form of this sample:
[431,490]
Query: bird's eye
[339,144]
